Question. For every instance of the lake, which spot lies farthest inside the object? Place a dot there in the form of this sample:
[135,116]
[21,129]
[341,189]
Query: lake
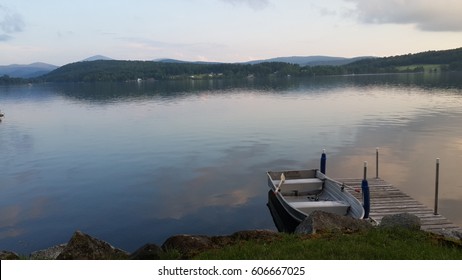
[132,163]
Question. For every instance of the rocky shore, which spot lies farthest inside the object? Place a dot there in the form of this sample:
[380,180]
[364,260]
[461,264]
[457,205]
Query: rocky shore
[82,246]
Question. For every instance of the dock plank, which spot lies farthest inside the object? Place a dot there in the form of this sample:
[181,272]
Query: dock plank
[386,199]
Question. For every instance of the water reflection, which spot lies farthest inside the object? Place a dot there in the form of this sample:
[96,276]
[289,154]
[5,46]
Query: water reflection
[134,163]
[408,149]
[167,90]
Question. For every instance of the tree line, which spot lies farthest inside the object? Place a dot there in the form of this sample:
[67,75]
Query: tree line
[117,70]
[114,70]
[448,60]
[7,80]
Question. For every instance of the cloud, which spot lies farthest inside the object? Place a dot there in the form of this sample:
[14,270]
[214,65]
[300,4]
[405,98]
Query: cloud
[4,37]
[254,4]
[10,22]
[426,15]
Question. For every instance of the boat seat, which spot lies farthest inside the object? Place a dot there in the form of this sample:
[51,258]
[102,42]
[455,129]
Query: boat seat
[336,207]
[287,193]
[301,186]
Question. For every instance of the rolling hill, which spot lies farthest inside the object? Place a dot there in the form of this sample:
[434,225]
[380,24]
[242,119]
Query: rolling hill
[317,60]
[27,71]
[312,60]
[101,68]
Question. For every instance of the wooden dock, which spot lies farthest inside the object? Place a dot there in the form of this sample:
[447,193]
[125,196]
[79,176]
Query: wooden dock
[386,200]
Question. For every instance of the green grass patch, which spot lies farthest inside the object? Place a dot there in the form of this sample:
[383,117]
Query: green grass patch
[420,67]
[376,244]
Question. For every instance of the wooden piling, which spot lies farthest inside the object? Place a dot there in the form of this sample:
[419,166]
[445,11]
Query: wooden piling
[437,182]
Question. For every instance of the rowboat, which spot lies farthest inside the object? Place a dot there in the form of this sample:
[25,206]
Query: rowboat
[301,192]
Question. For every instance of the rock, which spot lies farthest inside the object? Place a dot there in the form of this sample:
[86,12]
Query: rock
[147,252]
[188,245]
[448,233]
[48,254]
[7,255]
[220,241]
[403,220]
[84,247]
[320,221]
[265,235]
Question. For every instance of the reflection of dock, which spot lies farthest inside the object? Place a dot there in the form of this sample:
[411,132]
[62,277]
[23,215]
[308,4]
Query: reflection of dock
[386,200]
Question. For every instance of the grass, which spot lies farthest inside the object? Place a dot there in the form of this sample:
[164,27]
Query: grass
[426,67]
[375,244]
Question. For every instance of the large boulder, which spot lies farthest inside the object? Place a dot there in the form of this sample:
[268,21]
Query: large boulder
[188,245]
[48,254]
[264,235]
[403,220]
[321,222]
[7,255]
[147,252]
[84,247]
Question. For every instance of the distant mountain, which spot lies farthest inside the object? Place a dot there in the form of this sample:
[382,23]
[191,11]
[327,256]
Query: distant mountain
[170,60]
[97,57]
[312,60]
[300,60]
[26,71]
[102,69]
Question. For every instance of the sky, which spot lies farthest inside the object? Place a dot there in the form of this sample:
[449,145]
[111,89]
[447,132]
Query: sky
[64,31]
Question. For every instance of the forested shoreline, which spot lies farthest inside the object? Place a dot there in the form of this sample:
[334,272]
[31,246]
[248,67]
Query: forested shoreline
[120,71]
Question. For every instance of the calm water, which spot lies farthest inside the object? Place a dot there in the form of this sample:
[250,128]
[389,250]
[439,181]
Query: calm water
[136,163]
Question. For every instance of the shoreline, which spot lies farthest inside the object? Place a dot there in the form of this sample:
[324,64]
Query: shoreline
[318,225]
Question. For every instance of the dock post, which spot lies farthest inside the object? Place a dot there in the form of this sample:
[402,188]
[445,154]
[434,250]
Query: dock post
[377,163]
[366,194]
[323,161]
[437,179]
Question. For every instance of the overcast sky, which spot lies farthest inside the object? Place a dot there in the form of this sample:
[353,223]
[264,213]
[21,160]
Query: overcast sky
[64,31]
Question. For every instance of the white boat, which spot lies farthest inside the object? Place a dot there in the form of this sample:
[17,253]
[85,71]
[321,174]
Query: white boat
[301,192]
